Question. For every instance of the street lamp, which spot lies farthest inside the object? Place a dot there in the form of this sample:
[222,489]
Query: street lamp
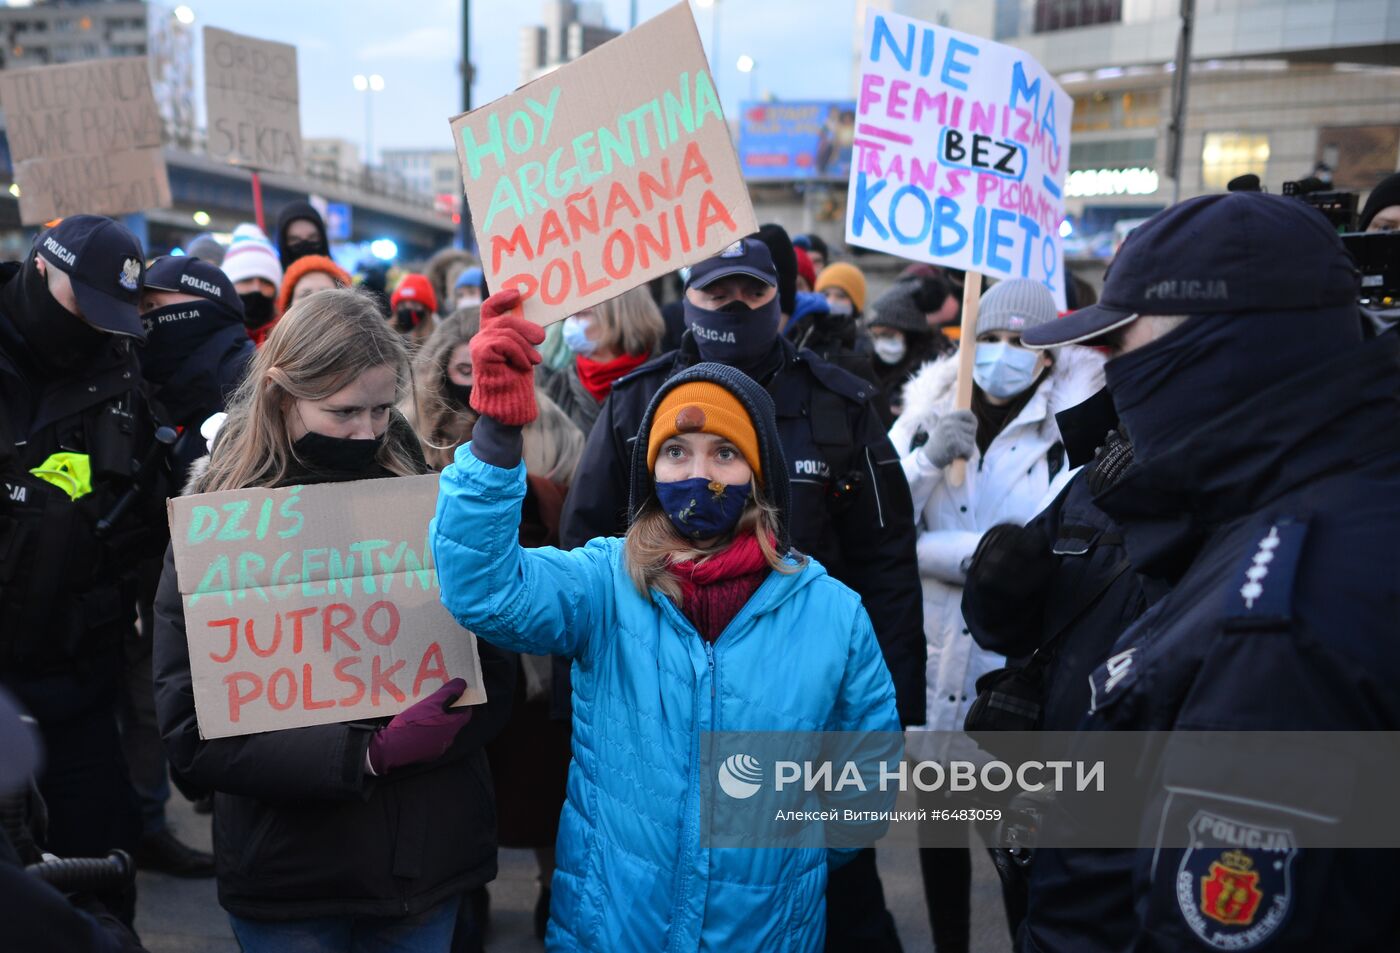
[184,14]
[747,64]
[713,7]
[373,83]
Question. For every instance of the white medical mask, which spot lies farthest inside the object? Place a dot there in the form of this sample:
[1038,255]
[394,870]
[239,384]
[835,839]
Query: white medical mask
[575,332]
[1003,370]
[891,350]
[840,308]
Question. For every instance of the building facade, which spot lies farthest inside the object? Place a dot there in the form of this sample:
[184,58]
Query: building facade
[426,171]
[569,30]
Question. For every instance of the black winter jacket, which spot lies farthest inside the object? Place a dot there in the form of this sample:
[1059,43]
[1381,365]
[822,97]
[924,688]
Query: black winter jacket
[851,508]
[1276,522]
[300,829]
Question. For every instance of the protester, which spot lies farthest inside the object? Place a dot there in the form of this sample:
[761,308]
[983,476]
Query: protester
[1381,213]
[850,504]
[252,265]
[470,287]
[77,438]
[207,247]
[414,308]
[837,335]
[689,568]
[941,307]
[440,410]
[1265,489]
[902,341]
[300,231]
[784,260]
[530,758]
[356,834]
[443,271]
[806,271]
[609,341]
[815,248]
[1015,465]
[843,286]
[308,275]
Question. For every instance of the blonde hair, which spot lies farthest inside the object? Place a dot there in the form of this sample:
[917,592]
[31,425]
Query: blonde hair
[553,444]
[319,346]
[630,323]
[652,545]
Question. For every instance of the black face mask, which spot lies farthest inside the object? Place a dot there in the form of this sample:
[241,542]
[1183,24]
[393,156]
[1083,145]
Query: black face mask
[736,334]
[172,335]
[459,393]
[58,338]
[406,319]
[257,309]
[301,247]
[336,454]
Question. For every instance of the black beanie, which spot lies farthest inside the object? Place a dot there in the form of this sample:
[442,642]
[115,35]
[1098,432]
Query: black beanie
[785,260]
[759,406]
[1384,195]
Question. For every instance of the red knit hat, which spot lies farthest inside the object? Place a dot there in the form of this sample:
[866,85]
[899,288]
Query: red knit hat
[805,268]
[415,288]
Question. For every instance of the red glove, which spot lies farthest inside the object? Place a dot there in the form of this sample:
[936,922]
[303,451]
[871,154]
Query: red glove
[422,732]
[503,361]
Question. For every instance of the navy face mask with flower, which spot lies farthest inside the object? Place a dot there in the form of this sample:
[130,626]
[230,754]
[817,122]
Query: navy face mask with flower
[702,509]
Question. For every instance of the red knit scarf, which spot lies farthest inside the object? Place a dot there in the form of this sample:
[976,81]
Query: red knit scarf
[715,589]
[597,376]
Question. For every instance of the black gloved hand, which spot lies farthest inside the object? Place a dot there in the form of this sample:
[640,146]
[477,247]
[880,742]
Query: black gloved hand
[1007,583]
[1111,461]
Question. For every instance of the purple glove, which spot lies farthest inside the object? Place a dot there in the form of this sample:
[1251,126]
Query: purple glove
[422,732]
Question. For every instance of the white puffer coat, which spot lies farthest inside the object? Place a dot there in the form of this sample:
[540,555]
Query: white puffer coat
[1011,484]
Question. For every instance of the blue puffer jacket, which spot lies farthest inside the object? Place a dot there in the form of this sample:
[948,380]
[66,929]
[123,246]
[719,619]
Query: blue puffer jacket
[800,656]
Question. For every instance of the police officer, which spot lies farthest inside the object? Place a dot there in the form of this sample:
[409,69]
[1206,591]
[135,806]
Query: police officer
[196,349]
[195,356]
[1265,488]
[851,508]
[82,503]
[1055,595]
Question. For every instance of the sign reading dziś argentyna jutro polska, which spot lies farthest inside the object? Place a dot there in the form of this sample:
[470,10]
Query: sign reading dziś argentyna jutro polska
[308,605]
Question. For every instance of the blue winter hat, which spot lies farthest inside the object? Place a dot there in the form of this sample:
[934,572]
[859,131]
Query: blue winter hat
[470,277]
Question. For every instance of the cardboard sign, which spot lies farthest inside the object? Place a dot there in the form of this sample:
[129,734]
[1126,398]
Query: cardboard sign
[253,101]
[960,153]
[314,604]
[84,138]
[604,174]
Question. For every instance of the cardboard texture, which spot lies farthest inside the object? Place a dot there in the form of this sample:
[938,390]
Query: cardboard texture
[604,174]
[253,101]
[960,156]
[84,138]
[314,604]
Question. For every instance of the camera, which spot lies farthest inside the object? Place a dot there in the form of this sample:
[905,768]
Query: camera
[1377,254]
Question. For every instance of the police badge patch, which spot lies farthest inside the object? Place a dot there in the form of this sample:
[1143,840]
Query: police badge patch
[1235,883]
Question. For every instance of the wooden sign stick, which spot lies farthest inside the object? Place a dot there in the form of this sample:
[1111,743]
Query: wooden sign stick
[967,357]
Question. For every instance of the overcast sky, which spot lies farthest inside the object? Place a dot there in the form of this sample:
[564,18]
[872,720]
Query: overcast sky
[802,47]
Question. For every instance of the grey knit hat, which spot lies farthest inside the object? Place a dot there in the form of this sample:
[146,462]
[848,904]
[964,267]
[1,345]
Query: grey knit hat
[897,309]
[1017,304]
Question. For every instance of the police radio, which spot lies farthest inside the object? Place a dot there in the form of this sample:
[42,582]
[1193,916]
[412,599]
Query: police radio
[165,439]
